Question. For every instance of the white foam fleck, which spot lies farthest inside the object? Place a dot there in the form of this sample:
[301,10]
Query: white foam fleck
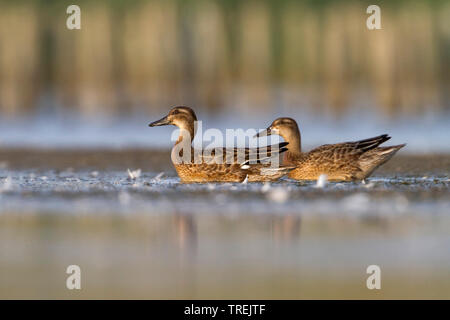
[369,185]
[279,195]
[322,181]
[133,175]
[94,174]
[7,184]
[266,187]
[356,202]
[159,176]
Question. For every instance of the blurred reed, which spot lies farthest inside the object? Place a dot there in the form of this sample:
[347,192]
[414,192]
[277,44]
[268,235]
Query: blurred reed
[148,55]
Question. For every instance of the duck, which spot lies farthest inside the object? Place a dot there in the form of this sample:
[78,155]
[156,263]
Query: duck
[219,164]
[346,161]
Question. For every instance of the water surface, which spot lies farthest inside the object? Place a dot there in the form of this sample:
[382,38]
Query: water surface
[153,237]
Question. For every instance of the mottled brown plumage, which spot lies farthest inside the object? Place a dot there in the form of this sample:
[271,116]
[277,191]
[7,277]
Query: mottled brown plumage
[219,164]
[345,161]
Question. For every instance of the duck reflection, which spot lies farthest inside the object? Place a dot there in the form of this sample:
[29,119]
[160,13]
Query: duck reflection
[286,228]
[185,230]
[186,241]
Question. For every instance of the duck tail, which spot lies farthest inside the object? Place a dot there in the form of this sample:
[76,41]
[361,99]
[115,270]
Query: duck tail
[374,158]
[391,150]
[372,143]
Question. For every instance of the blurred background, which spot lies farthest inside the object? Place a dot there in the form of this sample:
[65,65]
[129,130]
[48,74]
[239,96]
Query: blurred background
[239,64]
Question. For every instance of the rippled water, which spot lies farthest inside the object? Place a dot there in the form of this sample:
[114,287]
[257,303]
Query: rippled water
[116,192]
[153,237]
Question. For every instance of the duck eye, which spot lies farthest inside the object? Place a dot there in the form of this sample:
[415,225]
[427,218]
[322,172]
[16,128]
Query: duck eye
[175,111]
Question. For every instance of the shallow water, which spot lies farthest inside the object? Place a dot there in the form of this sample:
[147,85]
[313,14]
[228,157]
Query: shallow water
[152,237]
[114,191]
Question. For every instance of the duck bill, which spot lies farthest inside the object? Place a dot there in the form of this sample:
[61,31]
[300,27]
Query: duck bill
[264,133]
[161,122]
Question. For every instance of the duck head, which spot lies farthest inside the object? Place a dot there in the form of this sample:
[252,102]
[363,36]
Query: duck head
[284,127]
[180,116]
[287,128]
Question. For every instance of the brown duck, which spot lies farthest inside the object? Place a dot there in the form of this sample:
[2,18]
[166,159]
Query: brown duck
[220,164]
[345,161]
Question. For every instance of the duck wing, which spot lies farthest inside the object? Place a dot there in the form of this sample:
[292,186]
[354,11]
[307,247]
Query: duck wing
[243,156]
[353,148]
[342,154]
